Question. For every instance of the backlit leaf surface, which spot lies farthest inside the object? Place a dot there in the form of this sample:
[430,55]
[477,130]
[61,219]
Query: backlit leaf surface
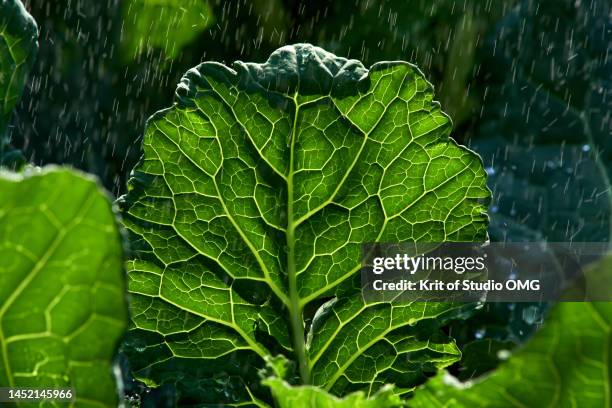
[62,296]
[566,364]
[248,211]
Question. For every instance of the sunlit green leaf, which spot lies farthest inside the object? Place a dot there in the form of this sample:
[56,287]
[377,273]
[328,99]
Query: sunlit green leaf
[62,294]
[308,396]
[285,395]
[566,364]
[249,209]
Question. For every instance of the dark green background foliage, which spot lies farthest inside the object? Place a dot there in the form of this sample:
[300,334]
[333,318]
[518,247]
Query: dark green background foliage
[545,126]
[18,46]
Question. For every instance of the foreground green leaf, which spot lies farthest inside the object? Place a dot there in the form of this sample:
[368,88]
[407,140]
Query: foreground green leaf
[306,396]
[18,47]
[248,212]
[566,364]
[62,302]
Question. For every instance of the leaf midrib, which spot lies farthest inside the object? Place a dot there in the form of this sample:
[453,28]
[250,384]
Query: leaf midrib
[295,308]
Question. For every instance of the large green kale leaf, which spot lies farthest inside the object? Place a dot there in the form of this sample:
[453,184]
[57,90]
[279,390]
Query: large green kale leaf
[248,211]
[62,297]
[18,47]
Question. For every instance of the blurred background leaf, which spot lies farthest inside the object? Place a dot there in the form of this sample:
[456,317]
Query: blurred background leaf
[168,25]
[18,46]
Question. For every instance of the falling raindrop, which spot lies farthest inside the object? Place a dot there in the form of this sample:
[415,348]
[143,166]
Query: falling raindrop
[531,315]
[479,334]
[503,354]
